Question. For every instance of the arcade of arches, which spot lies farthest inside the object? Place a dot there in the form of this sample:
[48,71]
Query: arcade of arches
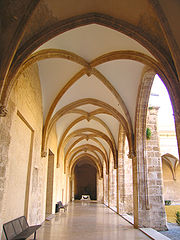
[75,81]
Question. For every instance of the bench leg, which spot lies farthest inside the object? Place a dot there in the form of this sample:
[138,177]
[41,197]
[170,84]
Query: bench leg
[35,235]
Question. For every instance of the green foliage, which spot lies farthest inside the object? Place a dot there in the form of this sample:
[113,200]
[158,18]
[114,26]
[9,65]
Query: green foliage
[178,217]
[167,202]
[148,133]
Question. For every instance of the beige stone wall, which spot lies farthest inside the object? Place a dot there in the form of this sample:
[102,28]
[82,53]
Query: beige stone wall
[24,169]
[5,125]
[171,185]
[24,172]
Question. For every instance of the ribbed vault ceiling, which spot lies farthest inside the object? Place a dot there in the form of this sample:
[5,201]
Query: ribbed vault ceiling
[90,77]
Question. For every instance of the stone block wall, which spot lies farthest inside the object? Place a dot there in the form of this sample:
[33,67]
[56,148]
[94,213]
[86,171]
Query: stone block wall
[157,216]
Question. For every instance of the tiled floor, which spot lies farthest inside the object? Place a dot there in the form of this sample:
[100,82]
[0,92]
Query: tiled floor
[90,221]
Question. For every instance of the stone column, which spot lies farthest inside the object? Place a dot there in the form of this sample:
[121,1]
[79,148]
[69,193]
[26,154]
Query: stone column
[120,190]
[128,181]
[105,185]
[112,184]
[147,179]
[99,189]
[135,190]
[125,187]
[73,187]
[154,176]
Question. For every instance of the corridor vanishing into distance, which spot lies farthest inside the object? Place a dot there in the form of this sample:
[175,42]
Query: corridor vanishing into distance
[76,116]
[89,221]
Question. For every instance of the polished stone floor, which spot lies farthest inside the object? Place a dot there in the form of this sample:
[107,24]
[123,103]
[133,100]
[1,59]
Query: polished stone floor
[90,221]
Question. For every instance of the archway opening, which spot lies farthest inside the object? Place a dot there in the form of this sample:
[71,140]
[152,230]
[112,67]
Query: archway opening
[167,144]
[85,180]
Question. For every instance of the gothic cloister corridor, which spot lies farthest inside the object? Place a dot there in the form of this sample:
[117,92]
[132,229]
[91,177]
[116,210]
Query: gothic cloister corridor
[90,221]
[75,84]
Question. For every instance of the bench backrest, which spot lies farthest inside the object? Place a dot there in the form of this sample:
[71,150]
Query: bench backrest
[60,204]
[14,227]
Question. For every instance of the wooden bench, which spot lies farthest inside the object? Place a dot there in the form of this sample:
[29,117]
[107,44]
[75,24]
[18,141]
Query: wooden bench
[59,205]
[19,229]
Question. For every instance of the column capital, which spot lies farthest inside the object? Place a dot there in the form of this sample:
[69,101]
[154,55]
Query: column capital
[43,153]
[132,154]
[3,111]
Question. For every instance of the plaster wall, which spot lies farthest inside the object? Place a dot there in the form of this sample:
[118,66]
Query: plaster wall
[18,169]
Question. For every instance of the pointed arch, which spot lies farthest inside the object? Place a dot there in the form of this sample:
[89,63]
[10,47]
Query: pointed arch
[73,163]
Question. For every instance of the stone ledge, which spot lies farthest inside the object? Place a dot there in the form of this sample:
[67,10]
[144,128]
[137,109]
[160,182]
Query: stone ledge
[128,218]
[153,234]
[150,232]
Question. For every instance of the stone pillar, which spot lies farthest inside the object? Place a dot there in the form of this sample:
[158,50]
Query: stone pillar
[99,189]
[135,191]
[128,181]
[125,187]
[120,192]
[112,184]
[154,176]
[147,179]
[105,185]
[73,187]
